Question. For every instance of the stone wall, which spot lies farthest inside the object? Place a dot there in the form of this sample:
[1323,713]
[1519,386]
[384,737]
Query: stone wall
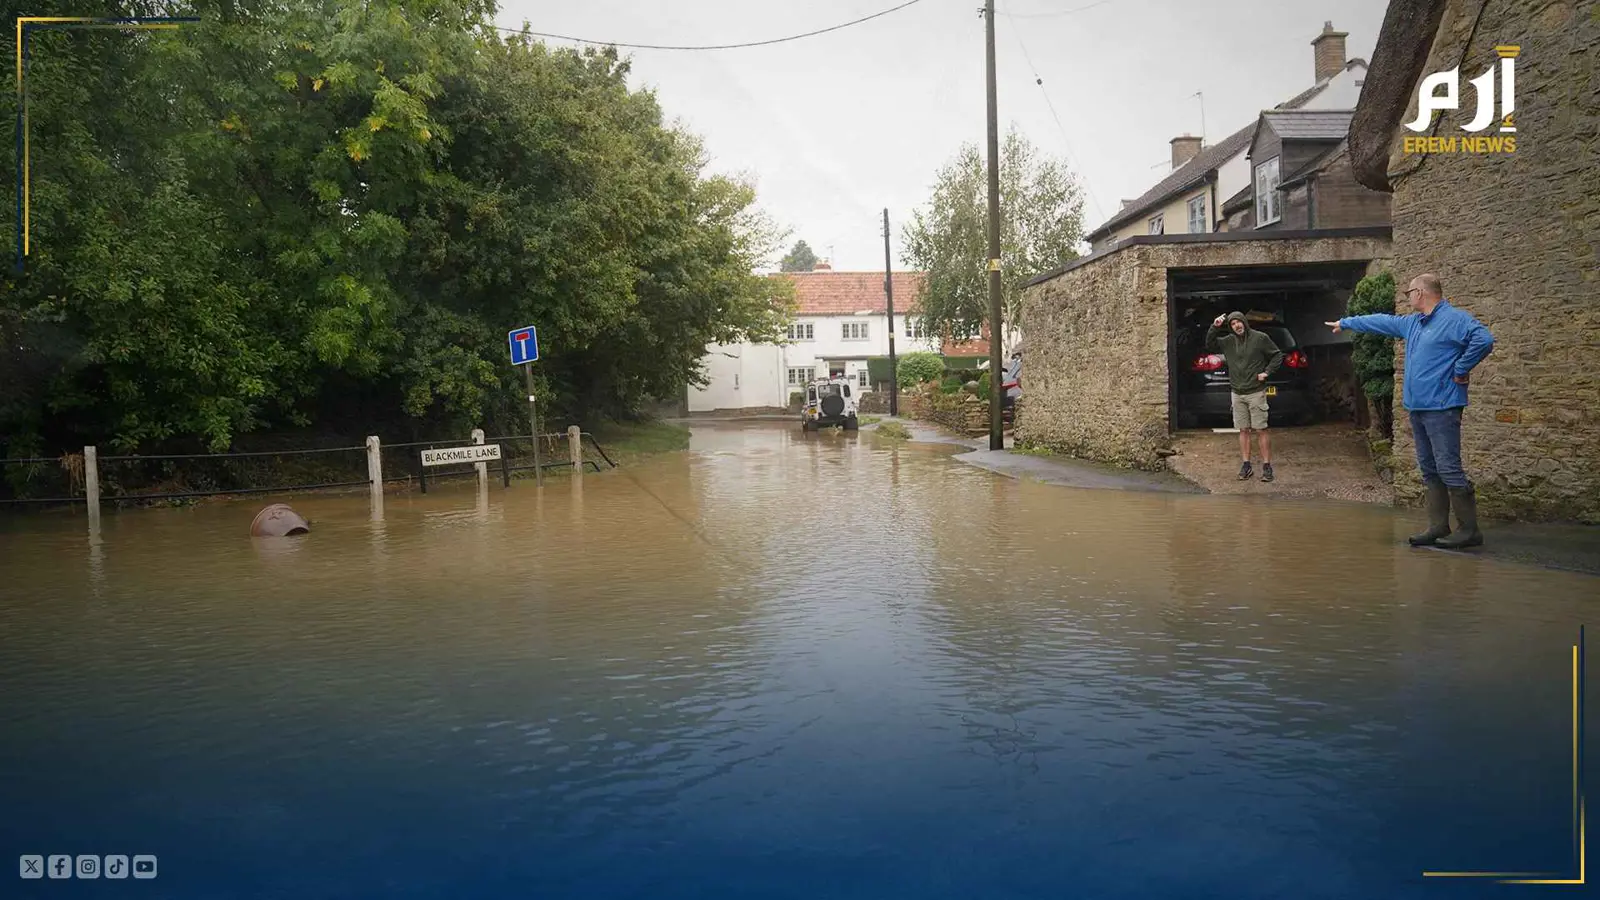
[962,413]
[1514,239]
[1096,367]
[1096,379]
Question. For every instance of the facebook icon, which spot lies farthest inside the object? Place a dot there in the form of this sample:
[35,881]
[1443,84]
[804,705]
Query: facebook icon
[60,867]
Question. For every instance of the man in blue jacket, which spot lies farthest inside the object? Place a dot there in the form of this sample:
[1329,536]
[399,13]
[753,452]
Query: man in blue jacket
[1443,344]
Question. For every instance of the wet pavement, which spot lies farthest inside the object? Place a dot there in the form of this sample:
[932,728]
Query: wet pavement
[784,665]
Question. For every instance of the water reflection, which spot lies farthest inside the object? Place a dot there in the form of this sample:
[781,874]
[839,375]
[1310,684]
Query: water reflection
[775,665]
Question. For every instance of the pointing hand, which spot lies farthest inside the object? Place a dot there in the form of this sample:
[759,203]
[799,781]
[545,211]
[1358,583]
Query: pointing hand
[1217,322]
[1334,326]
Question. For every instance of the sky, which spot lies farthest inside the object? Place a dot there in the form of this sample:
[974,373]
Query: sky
[836,128]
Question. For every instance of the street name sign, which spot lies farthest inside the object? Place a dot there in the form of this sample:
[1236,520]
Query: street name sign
[524,345]
[449,456]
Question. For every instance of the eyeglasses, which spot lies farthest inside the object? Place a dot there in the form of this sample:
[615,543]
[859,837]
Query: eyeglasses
[1409,291]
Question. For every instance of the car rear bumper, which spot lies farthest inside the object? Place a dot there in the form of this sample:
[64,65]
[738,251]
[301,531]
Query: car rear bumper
[1291,402]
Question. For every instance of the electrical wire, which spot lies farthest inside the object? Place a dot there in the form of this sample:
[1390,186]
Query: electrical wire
[1058,13]
[1066,142]
[765,43]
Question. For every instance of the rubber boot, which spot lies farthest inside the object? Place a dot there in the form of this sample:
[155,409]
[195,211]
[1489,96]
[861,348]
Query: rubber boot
[1465,501]
[1437,502]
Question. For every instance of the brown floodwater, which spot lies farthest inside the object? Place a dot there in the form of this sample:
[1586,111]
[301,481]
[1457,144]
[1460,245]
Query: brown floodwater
[783,664]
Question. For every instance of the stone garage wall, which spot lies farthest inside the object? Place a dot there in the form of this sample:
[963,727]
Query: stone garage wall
[1095,383]
[1516,240]
[1096,368]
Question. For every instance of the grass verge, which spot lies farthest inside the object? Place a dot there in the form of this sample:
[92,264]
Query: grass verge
[628,442]
[894,431]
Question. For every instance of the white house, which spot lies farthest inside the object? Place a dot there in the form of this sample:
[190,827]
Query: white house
[841,322]
[1193,198]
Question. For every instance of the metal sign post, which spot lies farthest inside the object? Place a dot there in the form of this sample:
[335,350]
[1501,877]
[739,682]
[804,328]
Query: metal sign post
[525,352]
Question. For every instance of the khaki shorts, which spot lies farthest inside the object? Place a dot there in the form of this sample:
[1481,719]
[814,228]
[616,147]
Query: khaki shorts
[1250,411]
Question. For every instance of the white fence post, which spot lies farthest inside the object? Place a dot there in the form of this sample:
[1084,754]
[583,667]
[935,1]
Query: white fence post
[483,468]
[91,479]
[575,444]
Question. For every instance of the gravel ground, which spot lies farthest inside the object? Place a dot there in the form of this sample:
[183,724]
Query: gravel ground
[1317,461]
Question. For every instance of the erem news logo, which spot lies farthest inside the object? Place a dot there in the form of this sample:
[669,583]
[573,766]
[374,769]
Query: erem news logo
[1430,101]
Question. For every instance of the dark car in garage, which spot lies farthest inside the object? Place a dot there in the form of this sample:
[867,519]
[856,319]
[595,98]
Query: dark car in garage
[1205,397]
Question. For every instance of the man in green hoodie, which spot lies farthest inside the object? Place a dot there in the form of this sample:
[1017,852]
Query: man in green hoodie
[1252,357]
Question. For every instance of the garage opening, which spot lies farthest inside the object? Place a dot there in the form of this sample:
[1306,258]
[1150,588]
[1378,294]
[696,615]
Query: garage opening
[1290,303]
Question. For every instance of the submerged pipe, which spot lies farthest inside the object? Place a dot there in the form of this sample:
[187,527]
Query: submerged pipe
[278,520]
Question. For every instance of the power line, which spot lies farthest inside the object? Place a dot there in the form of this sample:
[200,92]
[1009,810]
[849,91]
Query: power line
[1066,142]
[781,40]
[1058,13]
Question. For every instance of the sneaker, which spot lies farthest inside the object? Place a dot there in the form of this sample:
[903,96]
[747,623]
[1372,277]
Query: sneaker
[1245,471]
[1266,471]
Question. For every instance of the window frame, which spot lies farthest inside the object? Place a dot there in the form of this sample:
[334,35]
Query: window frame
[914,328]
[1156,224]
[863,379]
[1269,197]
[809,372]
[802,331]
[1200,200]
[859,327]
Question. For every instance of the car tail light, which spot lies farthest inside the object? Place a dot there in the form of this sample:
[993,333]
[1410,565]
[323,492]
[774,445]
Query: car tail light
[1010,384]
[1296,360]
[1211,362]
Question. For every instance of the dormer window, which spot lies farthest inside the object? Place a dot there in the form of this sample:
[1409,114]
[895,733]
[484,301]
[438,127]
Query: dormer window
[1268,208]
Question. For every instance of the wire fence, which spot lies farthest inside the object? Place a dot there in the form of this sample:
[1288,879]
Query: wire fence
[73,478]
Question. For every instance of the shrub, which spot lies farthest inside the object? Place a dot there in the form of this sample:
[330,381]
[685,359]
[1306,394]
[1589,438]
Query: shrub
[797,399]
[1372,355]
[918,368]
[893,431]
[984,385]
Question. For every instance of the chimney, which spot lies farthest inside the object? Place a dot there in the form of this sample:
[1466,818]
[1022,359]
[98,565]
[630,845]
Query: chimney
[1126,203]
[1184,148]
[1328,49]
[821,266]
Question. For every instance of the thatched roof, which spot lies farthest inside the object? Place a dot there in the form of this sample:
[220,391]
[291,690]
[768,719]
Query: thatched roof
[1403,48]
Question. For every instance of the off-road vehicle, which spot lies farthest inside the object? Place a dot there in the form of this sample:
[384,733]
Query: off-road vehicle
[829,402]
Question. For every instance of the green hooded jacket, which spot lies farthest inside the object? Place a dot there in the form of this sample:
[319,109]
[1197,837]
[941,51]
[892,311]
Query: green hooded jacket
[1247,355]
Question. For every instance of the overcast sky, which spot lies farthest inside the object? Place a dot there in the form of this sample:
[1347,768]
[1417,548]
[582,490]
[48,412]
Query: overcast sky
[837,127]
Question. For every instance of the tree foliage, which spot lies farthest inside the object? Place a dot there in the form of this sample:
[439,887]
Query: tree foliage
[917,368]
[310,214]
[1372,355]
[800,258]
[1041,209]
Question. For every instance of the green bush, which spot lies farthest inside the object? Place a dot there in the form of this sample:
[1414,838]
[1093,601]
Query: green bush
[918,368]
[797,399]
[984,385]
[950,384]
[1372,355]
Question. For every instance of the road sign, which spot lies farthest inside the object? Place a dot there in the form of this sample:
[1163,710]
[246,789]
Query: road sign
[450,456]
[524,345]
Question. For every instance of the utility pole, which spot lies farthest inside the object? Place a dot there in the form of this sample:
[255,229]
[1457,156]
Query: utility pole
[888,292]
[997,440]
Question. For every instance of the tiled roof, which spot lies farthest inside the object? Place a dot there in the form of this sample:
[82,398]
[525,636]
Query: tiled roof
[1186,176]
[830,293]
[1309,124]
[1239,201]
[1195,171]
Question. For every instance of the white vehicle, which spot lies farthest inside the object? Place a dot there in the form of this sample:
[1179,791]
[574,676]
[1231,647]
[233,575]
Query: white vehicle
[829,402]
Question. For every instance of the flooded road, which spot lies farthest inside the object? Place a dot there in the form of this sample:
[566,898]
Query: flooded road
[783,665]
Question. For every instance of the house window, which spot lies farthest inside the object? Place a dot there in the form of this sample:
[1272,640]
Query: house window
[855,331]
[800,377]
[1157,226]
[1267,209]
[1197,215]
[861,375]
[802,331]
[914,328]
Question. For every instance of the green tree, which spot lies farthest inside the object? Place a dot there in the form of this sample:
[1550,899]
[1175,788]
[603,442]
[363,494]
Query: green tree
[800,258]
[1041,208]
[918,368]
[1373,355]
[327,215]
